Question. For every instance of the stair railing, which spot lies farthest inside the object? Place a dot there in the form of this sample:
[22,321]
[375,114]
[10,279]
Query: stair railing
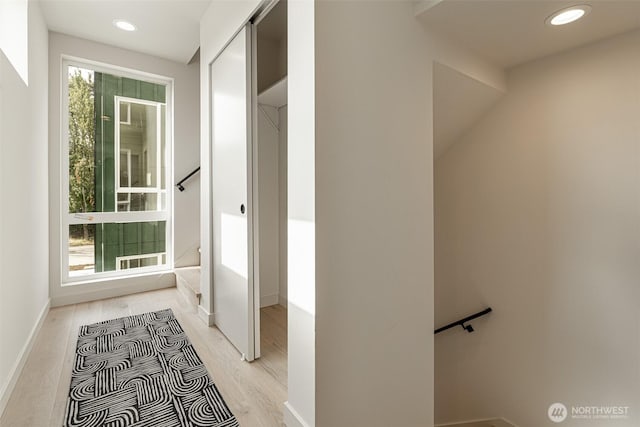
[462,322]
[179,184]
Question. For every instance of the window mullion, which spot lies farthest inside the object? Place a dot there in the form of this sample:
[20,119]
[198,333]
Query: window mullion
[116,217]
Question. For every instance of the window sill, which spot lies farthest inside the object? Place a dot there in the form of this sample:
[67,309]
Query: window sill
[110,287]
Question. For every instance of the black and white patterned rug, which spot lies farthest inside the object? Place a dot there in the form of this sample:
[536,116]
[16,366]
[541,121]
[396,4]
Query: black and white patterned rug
[142,371]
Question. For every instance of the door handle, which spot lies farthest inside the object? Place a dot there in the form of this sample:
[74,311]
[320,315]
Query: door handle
[242,209]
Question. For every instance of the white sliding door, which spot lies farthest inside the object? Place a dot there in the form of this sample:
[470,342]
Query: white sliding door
[231,124]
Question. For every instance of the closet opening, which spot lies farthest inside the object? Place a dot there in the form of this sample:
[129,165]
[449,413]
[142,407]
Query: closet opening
[270,127]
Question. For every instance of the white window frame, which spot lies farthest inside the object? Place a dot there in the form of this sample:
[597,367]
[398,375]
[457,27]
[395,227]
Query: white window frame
[67,219]
[127,152]
[157,255]
[119,189]
[128,121]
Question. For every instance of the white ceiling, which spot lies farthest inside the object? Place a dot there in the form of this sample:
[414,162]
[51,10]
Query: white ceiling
[511,32]
[166,28]
[506,33]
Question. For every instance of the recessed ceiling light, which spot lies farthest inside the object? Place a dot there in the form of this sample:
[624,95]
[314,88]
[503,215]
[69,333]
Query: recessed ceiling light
[568,15]
[124,25]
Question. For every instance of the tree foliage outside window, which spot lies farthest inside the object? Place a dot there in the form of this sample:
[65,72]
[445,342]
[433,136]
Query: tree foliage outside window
[81,146]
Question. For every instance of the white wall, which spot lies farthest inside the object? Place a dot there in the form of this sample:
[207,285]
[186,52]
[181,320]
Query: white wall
[186,158]
[23,203]
[272,62]
[538,215]
[374,230]
[14,35]
[272,171]
[300,409]
[454,55]
[269,204]
[368,183]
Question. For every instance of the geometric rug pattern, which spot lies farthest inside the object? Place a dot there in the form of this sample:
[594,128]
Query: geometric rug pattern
[142,371]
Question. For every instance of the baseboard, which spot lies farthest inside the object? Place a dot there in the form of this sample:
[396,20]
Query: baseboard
[490,422]
[282,300]
[292,418]
[111,288]
[209,319]
[268,300]
[14,374]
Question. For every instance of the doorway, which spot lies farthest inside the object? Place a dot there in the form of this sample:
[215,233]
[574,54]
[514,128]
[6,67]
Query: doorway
[271,143]
[249,188]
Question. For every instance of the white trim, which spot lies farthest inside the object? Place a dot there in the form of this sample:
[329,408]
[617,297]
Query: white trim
[92,290]
[140,190]
[268,300]
[159,184]
[209,319]
[106,276]
[128,121]
[116,147]
[103,67]
[157,256]
[253,180]
[169,143]
[263,10]
[127,152]
[16,370]
[116,217]
[253,332]
[292,418]
[129,100]
[64,169]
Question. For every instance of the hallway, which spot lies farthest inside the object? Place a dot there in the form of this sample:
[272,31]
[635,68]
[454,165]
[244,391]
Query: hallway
[254,391]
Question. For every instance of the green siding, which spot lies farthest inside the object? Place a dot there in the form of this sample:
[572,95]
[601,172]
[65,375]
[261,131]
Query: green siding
[134,238]
[116,240]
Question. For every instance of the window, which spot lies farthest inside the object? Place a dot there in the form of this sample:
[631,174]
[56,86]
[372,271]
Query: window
[116,171]
[139,261]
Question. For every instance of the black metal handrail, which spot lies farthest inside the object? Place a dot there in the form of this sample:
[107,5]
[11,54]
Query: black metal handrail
[462,322]
[179,184]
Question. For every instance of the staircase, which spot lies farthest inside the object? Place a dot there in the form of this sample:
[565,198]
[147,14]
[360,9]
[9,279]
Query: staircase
[188,283]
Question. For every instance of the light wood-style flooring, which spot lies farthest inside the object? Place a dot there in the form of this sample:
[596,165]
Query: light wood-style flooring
[255,392]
